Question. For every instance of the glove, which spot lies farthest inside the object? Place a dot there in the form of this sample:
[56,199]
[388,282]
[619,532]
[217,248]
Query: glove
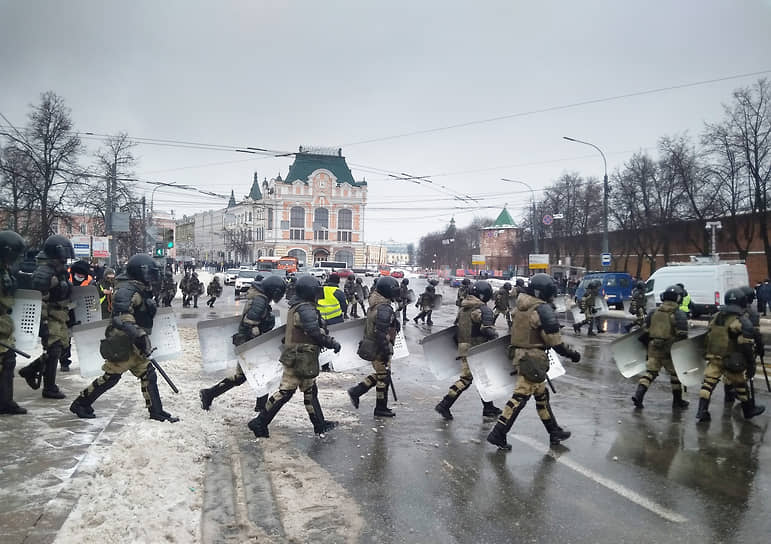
[336,347]
[143,344]
[574,356]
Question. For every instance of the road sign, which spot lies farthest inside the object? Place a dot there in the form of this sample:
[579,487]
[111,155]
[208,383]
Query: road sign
[606,259]
[478,259]
[548,219]
[558,216]
[82,245]
[538,261]
[101,246]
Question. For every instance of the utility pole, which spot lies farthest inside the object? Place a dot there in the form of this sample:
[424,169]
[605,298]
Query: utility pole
[144,227]
[714,226]
[108,214]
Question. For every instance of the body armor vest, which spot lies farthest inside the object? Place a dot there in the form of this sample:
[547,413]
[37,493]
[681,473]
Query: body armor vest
[523,335]
[719,341]
[295,334]
[468,330]
[662,326]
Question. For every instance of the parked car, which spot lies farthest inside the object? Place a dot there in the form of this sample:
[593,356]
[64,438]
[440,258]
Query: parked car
[245,279]
[455,281]
[230,276]
[398,274]
[343,272]
[616,287]
[318,272]
[706,283]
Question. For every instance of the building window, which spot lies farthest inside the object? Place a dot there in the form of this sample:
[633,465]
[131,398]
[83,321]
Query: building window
[270,218]
[299,254]
[250,217]
[345,256]
[344,225]
[297,223]
[321,224]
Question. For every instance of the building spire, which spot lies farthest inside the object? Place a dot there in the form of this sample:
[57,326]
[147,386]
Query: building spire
[232,201]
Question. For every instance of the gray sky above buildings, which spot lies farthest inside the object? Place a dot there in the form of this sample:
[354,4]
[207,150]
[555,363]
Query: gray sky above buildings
[279,75]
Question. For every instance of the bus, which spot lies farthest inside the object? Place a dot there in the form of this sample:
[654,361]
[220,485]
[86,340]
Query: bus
[334,265]
[290,264]
[267,263]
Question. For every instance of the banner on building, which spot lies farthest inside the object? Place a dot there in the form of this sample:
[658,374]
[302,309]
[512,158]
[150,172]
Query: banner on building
[538,261]
[100,246]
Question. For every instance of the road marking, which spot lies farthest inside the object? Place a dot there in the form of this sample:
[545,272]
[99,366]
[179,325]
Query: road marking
[617,488]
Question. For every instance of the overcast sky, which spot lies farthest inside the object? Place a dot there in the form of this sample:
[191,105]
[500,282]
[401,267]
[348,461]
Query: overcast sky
[280,74]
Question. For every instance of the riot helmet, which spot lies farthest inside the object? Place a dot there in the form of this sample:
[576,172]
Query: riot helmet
[334,279]
[274,287]
[520,283]
[405,282]
[594,284]
[507,286]
[358,280]
[640,285]
[143,268]
[673,293]
[58,247]
[466,282]
[482,290]
[735,297]
[749,293]
[108,272]
[543,286]
[11,247]
[388,287]
[309,289]
[430,289]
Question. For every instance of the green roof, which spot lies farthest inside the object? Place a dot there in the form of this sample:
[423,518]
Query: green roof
[306,163]
[232,201]
[255,193]
[504,219]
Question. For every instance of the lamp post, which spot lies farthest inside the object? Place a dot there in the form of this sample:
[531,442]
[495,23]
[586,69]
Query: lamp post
[532,212]
[605,248]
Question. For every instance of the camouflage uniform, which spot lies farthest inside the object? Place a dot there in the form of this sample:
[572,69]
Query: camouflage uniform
[12,248]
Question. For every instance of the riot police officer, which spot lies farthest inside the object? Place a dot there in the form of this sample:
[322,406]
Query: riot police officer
[51,278]
[404,296]
[465,285]
[588,307]
[663,327]
[476,325]
[425,302]
[377,345]
[302,345]
[501,303]
[11,252]
[637,306]
[126,345]
[535,329]
[257,319]
[730,341]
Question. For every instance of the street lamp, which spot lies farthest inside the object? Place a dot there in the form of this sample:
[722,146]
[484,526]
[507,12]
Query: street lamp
[532,212]
[605,248]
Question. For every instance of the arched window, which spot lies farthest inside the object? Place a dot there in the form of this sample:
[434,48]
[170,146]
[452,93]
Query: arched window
[297,223]
[321,224]
[298,254]
[345,256]
[344,225]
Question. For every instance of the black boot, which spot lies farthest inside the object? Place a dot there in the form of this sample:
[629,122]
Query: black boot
[155,407]
[677,400]
[750,410]
[497,436]
[638,396]
[33,372]
[207,396]
[259,404]
[81,406]
[50,389]
[259,425]
[381,405]
[577,328]
[320,425]
[702,414]
[357,391]
[7,404]
[443,408]
[556,433]
[730,393]
[489,409]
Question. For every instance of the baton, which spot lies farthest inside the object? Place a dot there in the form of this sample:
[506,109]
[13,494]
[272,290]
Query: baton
[165,376]
[551,385]
[391,383]
[28,356]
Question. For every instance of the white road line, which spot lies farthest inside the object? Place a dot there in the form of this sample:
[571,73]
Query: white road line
[617,488]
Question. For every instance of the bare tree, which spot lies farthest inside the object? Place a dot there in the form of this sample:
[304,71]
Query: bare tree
[16,177]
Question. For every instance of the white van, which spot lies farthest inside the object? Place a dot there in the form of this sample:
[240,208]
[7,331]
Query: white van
[706,283]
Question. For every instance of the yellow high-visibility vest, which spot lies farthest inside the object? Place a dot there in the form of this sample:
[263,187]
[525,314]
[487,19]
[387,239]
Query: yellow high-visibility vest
[685,304]
[329,306]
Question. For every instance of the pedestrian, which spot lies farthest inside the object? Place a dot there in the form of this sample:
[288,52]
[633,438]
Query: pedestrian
[185,285]
[333,307]
[535,330]
[765,290]
[426,304]
[476,325]
[348,290]
[290,287]
[52,280]
[214,291]
[11,253]
[361,293]
[196,289]
[686,306]
[729,347]
[80,276]
[303,342]
[663,327]
[462,290]
[377,345]
[106,287]
[588,308]
[256,319]
[126,346]
[501,303]
[169,287]
[404,296]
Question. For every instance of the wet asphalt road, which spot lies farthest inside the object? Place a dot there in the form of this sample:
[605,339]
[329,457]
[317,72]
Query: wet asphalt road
[624,475]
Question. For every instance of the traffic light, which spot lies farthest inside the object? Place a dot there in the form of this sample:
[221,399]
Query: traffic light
[159,250]
[168,238]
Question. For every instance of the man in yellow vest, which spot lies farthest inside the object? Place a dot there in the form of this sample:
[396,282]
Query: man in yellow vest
[686,305]
[334,306]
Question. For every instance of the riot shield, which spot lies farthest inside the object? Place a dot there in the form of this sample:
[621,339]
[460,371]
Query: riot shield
[215,338]
[259,360]
[87,338]
[437,302]
[86,300]
[441,351]
[348,334]
[560,304]
[491,367]
[630,354]
[165,336]
[27,305]
[400,347]
[688,358]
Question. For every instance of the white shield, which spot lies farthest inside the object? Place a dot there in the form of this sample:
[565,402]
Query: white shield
[491,367]
[560,304]
[277,317]
[441,351]
[630,354]
[437,302]
[348,334]
[87,338]
[86,301]
[400,347]
[215,338]
[688,357]
[259,360]
[410,296]
[165,336]
[27,306]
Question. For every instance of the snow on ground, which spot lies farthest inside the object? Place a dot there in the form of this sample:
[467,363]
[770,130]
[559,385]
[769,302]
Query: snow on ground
[148,485]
